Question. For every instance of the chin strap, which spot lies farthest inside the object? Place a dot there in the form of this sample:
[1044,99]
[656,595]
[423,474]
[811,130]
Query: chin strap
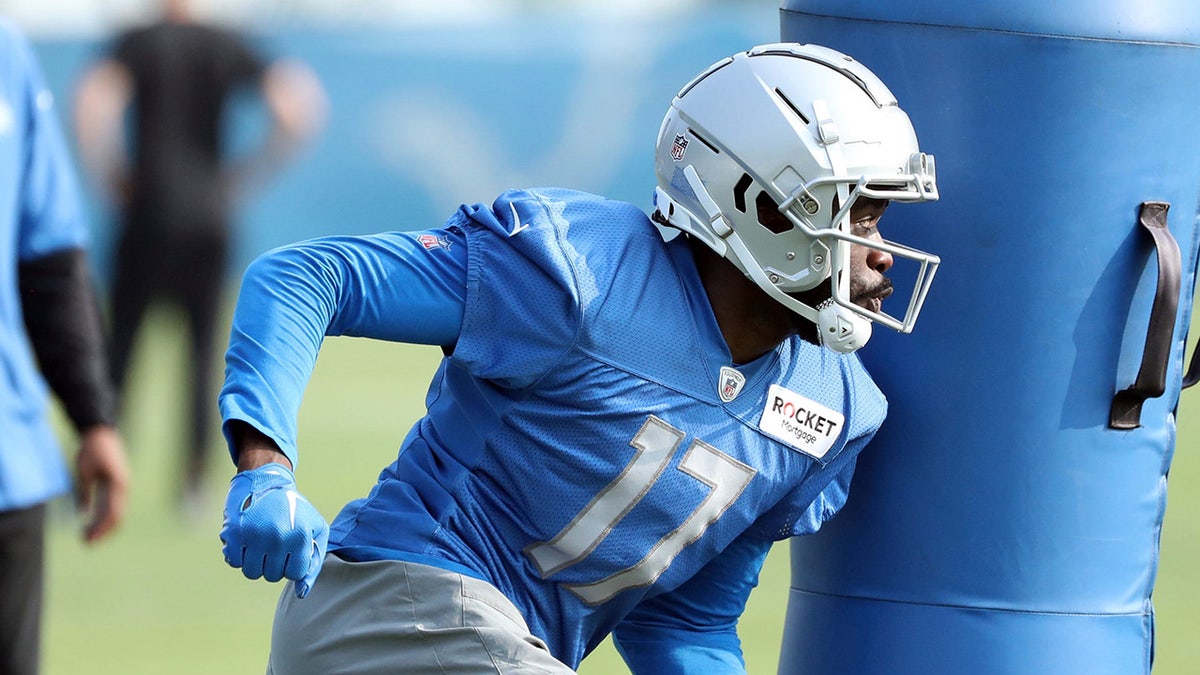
[840,329]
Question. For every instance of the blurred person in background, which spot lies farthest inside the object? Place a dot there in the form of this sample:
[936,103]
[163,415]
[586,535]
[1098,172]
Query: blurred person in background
[175,184]
[48,309]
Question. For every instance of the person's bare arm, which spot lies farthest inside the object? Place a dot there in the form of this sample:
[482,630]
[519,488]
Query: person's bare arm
[296,104]
[255,448]
[102,480]
[101,99]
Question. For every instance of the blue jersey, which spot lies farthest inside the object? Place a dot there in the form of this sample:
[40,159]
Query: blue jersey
[589,447]
[40,214]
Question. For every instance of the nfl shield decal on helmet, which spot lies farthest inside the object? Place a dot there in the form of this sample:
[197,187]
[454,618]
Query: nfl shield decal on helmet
[679,147]
[731,383]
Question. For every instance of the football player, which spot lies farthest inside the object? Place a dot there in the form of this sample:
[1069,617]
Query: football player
[624,422]
[51,340]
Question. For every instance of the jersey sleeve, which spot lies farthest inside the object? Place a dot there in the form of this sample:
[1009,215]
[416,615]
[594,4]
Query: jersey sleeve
[524,296]
[62,320]
[822,495]
[50,207]
[693,629]
[404,287]
[826,505]
[806,508]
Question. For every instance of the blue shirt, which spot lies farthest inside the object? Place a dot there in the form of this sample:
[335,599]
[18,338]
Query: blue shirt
[577,452]
[40,213]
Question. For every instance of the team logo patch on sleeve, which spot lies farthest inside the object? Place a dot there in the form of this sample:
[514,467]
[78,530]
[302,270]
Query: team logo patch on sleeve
[802,424]
[431,242]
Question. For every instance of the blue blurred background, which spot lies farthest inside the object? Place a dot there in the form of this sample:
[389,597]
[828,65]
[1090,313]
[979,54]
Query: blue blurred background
[433,104]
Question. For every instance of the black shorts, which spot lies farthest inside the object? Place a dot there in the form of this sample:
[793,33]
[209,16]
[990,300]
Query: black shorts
[22,556]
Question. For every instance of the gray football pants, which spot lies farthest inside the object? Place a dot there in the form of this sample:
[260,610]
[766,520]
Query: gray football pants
[397,617]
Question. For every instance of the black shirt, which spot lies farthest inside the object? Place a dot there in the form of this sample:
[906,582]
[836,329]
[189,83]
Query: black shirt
[183,77]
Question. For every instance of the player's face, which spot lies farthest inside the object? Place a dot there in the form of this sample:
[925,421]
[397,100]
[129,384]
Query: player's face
[868,266]
[868,283]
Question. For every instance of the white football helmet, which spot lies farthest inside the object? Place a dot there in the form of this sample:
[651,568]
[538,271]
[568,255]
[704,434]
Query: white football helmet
[814,130]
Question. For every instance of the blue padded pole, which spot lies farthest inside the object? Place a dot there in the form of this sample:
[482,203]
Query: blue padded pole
[1004,521]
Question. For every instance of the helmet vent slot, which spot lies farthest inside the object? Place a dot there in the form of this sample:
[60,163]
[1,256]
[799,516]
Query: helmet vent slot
[739,192]
[787,101]
[769,215]
[704,141]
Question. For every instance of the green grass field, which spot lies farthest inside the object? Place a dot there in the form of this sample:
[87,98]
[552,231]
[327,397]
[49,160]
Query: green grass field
[158,598]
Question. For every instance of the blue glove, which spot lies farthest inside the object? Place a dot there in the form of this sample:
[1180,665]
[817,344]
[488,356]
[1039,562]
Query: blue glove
[271,530]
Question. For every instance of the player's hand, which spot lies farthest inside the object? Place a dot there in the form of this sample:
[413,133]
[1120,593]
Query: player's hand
[101,480]
[271,530]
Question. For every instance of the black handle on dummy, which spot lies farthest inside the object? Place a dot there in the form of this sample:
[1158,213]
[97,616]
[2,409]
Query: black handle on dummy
[1151,382]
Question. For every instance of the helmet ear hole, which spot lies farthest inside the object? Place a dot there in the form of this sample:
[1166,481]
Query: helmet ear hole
[739,192]
[769,215]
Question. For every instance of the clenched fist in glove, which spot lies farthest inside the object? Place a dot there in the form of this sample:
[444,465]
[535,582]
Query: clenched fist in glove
[271,530]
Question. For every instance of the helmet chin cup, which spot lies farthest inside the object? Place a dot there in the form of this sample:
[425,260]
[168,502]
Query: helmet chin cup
[841,330]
